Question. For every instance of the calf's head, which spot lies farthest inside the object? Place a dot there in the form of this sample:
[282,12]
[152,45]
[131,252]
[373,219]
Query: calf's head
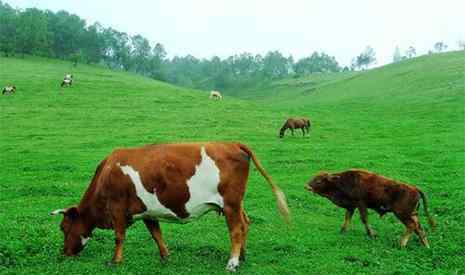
[323,184]
[74,229]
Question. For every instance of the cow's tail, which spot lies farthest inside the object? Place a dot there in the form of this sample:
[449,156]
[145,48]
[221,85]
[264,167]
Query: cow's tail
[280,197]
[431,221]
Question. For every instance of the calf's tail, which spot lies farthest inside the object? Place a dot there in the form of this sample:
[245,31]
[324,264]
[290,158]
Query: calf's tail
[431,221]
[279,195]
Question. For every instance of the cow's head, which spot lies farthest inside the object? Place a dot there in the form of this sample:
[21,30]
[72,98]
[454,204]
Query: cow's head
[74,229]
[323,184]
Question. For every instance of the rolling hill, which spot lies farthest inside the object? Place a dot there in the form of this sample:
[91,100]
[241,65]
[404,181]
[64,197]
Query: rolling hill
[405,120]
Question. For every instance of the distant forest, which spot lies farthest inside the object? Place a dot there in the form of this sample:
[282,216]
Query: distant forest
[66,36]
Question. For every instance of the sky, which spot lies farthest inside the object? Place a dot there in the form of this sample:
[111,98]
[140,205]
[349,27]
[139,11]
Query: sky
[205,28]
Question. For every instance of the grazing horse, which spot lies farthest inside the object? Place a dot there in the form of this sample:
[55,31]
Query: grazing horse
[9,90]
[295,123]
[215,95]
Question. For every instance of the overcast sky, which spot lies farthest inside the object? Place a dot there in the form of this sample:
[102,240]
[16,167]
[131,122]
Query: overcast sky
[205,28]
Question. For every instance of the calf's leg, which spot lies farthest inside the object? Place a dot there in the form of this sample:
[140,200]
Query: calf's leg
[412,224]
[364,217]
[234,220]
[154,228]
[419,231]
[347,219]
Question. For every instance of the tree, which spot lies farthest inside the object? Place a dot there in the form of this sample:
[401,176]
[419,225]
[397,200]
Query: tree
[461,44]
[275,65]
[411,52]
[141,51]
[157,62]
[8,23]
[32,32]
[93,44]
[365,59]
[397,55]
[317,62]
[440,46]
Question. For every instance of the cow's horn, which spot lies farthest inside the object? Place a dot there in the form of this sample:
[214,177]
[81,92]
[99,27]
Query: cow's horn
[58,211]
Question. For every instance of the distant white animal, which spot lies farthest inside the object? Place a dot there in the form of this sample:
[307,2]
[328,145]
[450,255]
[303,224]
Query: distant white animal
[9,90]
[67,81]
[215,95]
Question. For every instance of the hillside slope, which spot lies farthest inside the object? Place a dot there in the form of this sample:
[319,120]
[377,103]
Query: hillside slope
[405,120]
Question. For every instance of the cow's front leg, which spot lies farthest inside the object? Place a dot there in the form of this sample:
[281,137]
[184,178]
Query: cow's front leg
[347,219]
[154,228]
[234,220]
[120,234]
[303,131]
[364,217]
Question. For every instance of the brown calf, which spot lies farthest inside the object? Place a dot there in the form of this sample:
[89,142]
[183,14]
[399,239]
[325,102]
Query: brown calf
[166,182]
[362,190]
[295,123]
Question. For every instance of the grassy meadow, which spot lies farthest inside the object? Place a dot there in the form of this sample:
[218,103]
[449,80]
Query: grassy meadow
[405,120]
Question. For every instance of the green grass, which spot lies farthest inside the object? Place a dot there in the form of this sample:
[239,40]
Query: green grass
[406,121]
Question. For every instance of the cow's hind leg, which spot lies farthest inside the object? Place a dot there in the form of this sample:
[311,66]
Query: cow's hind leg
[245,229]
[347,219]
[364,217]
[154,228]
[234,219]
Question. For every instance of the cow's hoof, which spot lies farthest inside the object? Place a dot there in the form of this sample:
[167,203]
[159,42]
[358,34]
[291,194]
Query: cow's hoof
[164,260]
[232,265]
[344,230]
[113,263]
[372,234]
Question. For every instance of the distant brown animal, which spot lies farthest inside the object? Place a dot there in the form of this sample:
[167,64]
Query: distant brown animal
[362,190]
[166,182]
[295,123]
[9,90]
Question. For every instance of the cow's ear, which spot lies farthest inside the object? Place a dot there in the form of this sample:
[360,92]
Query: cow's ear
[58,212]
[72,213]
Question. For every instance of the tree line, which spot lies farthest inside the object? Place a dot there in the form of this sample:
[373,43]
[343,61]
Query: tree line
[66,36]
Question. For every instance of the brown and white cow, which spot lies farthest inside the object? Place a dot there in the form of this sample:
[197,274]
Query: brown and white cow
[362,190]
[295,123]
[215,95]
[9,90]
[166,182]
[67,80]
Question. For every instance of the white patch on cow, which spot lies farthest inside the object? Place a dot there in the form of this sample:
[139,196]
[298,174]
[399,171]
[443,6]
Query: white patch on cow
[84,240]
[154,207]
[203,190]
[233,264]
[203,187]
